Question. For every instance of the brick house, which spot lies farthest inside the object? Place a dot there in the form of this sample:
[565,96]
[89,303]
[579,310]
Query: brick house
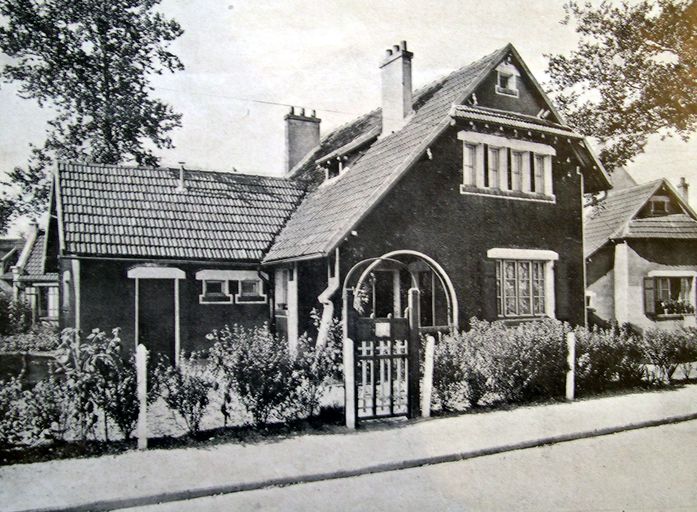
[469,189]
[641,253]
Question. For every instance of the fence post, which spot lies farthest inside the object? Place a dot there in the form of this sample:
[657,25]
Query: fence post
[142,380]
[428,377]
[571,366]
[349,316]
[413,351]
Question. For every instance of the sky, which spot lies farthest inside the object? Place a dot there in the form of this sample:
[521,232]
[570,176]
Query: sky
[241,55]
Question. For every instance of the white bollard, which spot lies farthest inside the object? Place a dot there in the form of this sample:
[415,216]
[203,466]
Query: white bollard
[571,362]
[142,379]
[349,384]
[428,377]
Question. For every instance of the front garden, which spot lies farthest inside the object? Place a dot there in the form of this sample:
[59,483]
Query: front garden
[249,385]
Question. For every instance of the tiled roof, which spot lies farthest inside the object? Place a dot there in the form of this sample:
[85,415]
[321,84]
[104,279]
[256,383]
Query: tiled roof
[329,211]
[136,212]
[34,267]
[611,216]
[668,226]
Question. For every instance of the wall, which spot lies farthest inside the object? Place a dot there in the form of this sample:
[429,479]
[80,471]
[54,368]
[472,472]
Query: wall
[107,300]
[644,256]
[600,279]
[425,212]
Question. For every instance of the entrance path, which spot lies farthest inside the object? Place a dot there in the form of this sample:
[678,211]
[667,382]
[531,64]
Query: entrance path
[140,478]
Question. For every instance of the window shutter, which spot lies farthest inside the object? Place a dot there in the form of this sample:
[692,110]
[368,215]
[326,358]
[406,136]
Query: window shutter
[488,290]
[561,295]
[649,296]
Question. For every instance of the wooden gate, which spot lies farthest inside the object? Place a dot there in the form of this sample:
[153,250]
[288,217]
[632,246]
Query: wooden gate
[385,361]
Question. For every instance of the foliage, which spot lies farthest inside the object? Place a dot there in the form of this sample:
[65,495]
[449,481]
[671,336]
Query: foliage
[48,408]
[15,316]
[632,74]
[315,366]
[448,372]
[258,368]
[11,416]
[39,339]
[667,350]
[608,358]
[90,63]
[184,388]
[674,307]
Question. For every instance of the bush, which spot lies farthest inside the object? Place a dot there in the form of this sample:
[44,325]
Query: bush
[48,408]
[40,339]
[608,358]
[448,372]
[11,414]
[184,388]
[315,367]
[258,368]
[15,316]
[525,362]
[667,350]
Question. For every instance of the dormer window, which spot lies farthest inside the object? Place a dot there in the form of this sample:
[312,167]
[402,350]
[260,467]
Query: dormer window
[507,79]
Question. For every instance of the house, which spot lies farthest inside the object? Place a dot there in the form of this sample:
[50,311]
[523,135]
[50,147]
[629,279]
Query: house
[468,190]
[641,254]
[31,284]
[10,248]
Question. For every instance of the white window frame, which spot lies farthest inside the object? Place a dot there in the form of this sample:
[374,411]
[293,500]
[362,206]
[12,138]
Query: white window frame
[547,258]
[226,276]
[206,297]
[241,298]
[474,144]
[508,70]
[659,275]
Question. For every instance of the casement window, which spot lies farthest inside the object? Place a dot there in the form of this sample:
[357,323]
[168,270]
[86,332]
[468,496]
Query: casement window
[669,293]
[507,80]
[218,287]
[524,282]
[510,168]
[47,302]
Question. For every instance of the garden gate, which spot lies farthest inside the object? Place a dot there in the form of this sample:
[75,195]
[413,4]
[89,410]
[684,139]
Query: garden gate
[385,362]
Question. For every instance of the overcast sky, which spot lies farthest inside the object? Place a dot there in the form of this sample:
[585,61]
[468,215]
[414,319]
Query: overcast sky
[323,55]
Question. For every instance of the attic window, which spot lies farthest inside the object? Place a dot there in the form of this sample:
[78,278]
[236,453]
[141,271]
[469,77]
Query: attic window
[659,205]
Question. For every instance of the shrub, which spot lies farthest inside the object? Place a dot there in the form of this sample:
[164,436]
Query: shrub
[48,408]
[315,367]
[184,388]
[11,414]
[259,369]
[448,372]
[40,339]
[607,358]
[15,316]
[667,350]
[525,362]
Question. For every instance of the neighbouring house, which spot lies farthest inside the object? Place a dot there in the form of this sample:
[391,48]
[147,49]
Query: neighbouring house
[469,190]
[10,248]
[30,282]
[641,254]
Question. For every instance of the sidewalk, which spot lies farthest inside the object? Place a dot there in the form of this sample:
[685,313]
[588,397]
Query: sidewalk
[139,478]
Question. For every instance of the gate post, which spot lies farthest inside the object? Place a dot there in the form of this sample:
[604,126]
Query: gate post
[571,366]
[349,315]
[413,351]
[142,388]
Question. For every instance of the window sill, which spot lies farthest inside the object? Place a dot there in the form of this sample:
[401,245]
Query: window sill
[218,298]
[507,194]
[505,91]
[250,299]
[672,316]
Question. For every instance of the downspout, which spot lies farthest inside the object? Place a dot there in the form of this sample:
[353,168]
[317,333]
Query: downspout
[271,293]
[325,298]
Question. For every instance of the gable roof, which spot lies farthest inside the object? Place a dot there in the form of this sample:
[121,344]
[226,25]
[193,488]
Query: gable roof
[138,212]
[329,213]
[614,217]
[32,268]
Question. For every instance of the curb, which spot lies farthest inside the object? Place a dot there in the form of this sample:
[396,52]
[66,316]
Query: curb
[168,497]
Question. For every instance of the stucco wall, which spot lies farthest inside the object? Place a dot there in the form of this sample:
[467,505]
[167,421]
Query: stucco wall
[600,279]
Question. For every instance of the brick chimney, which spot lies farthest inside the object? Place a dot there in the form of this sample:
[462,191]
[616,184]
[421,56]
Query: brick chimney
[302,135]
[683,188]
[396,87]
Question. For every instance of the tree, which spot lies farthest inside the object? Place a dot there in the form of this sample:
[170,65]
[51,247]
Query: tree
[90,62]
[633,74]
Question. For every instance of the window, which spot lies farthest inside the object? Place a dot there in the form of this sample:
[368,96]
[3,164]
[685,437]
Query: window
[249,288]
[47,297]
[507,79]
[659,205]
[250,292]
[215,291]
[670,294]
[520,288]
[502,167]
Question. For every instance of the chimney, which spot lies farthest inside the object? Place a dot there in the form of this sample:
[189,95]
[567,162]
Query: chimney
[396,87]
[302,135]
[683,188]
[181,186]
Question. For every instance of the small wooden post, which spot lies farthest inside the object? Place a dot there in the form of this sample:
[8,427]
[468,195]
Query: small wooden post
[571,365]
[142,379]
[428,377]
[349,315]
[414,357]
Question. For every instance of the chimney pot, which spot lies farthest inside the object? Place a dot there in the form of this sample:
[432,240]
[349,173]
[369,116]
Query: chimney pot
[302,111]
[314,113]
[403,44]
[388,53]
[292,111]
[396,48]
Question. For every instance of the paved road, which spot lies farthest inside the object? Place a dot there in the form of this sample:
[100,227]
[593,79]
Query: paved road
[649,469]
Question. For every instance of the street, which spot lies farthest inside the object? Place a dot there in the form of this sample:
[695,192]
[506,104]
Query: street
[648,469]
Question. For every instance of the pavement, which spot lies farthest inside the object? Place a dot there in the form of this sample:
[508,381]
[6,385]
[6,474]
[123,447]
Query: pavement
[142,478]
